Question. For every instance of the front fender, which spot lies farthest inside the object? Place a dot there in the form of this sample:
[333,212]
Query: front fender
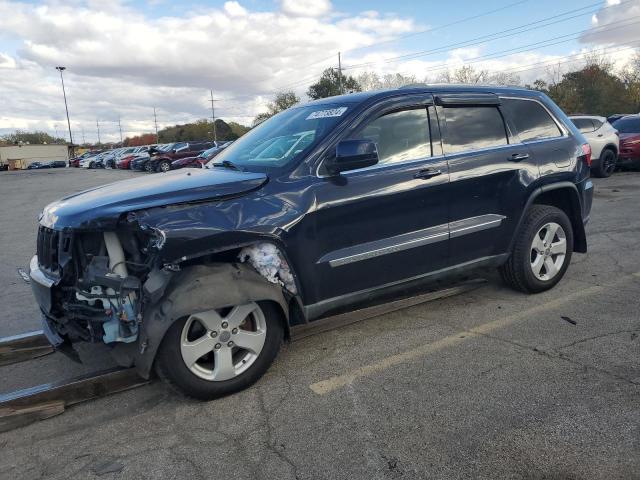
[196,289]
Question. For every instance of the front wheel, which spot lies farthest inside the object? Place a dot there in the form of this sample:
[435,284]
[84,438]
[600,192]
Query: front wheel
[218,352]
[542,250]
[164,166]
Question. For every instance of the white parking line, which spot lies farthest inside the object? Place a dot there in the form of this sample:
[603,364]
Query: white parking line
[329,385]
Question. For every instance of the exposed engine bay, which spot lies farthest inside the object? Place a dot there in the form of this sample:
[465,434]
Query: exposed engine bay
[98,297]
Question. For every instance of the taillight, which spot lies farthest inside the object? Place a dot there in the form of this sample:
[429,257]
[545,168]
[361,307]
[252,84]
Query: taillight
[586,153]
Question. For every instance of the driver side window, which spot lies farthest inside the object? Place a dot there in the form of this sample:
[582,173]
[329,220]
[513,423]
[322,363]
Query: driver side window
[400,136]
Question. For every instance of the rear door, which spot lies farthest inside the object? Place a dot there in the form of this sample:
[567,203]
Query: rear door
[389,222]
[489,172]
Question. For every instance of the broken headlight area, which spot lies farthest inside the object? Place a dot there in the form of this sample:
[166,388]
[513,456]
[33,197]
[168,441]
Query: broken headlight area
[98,297]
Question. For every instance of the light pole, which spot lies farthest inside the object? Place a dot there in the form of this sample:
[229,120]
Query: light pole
[64,93]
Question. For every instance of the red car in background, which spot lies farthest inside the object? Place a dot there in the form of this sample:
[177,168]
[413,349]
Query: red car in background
[629,131]
[199,161]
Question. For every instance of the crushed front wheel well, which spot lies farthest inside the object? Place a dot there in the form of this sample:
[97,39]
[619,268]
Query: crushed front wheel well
[200,288]
[566,199]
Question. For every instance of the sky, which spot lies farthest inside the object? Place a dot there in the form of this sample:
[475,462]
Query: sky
[123,58]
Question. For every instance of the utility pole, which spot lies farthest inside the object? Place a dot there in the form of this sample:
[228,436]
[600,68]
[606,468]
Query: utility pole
[213,117]
[120,127]
[340,72]
[83,140]
[64,93]
[98,128]
[155,120]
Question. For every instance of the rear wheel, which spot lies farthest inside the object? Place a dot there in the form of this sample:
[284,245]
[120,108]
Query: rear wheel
[542,250]
[608,161]
[218,352]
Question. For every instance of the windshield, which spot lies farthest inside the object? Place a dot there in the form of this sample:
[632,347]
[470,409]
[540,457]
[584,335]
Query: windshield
[283,138]
[627,125]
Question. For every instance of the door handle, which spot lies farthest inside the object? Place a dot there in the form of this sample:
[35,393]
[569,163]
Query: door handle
[601,134]
[516,157]
[427,173]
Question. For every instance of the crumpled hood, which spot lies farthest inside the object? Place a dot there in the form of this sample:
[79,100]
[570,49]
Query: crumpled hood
[101,207]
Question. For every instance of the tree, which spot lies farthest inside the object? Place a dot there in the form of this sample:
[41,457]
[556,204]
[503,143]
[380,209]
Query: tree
[330,84]
[237,130]
[592,90]
[32,138]
[372,81]
[281,102]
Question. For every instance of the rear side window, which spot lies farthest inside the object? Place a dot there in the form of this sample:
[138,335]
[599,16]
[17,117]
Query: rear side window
[585,125]
[473,128]
[532,121]
[400,136]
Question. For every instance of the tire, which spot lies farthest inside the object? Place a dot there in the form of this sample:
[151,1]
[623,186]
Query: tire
[92,165]
[147,167]
[198,380]
[164,166]
[607,164]
[532,266]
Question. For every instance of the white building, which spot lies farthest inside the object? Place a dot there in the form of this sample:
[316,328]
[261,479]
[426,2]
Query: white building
[20,156]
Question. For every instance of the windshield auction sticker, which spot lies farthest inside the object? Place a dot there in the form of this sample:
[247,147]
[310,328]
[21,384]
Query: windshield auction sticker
[332,112]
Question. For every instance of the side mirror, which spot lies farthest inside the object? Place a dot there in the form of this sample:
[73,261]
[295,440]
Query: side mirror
[351,155]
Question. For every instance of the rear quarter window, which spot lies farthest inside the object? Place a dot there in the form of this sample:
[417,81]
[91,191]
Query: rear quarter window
[532,121]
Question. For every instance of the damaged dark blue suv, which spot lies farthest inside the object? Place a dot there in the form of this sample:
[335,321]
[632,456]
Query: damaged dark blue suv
[326,207]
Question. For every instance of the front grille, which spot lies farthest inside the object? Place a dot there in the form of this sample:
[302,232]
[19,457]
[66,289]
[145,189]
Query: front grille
[47,249]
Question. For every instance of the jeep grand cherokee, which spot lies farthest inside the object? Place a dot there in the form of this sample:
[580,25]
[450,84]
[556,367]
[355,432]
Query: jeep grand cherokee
[325,207]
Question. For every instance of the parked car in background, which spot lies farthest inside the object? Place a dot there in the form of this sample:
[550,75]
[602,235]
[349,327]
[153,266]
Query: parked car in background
[162,162]
[75,162]
[38,165]
[58,164]
[199,161]
[604,142]
[629,130]
[140,163]
[354,200]
[124,161]
[94,161]
[616,116]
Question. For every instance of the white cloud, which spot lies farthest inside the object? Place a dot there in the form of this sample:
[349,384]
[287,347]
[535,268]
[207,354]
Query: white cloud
[306,8]
[121,62]
[616,23]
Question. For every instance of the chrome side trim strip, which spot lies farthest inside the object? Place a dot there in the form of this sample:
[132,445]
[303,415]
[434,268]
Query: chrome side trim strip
[474,224]
[419,238]
[377,248]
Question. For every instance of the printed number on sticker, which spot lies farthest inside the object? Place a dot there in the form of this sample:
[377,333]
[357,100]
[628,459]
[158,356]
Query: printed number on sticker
[332,112]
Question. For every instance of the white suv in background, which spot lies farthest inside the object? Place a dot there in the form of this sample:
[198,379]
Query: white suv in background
[604,142]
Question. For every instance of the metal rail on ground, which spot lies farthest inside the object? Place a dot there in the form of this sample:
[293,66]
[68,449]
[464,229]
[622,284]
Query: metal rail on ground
[22,407]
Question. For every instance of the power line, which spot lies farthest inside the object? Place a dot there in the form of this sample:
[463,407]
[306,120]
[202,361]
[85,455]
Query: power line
[439,27]
[567,59]
[488,37]
[522,49]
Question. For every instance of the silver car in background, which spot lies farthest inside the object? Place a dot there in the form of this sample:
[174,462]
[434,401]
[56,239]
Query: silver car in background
[604,141]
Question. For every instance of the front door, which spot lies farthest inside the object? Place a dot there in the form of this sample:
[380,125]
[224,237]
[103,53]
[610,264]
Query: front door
[387,223]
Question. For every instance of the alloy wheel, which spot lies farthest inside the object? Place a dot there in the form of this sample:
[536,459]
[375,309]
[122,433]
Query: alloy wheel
[548,251]
[164,166]
[219,345]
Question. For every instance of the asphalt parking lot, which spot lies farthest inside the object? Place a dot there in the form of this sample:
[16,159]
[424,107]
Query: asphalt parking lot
[489,384]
